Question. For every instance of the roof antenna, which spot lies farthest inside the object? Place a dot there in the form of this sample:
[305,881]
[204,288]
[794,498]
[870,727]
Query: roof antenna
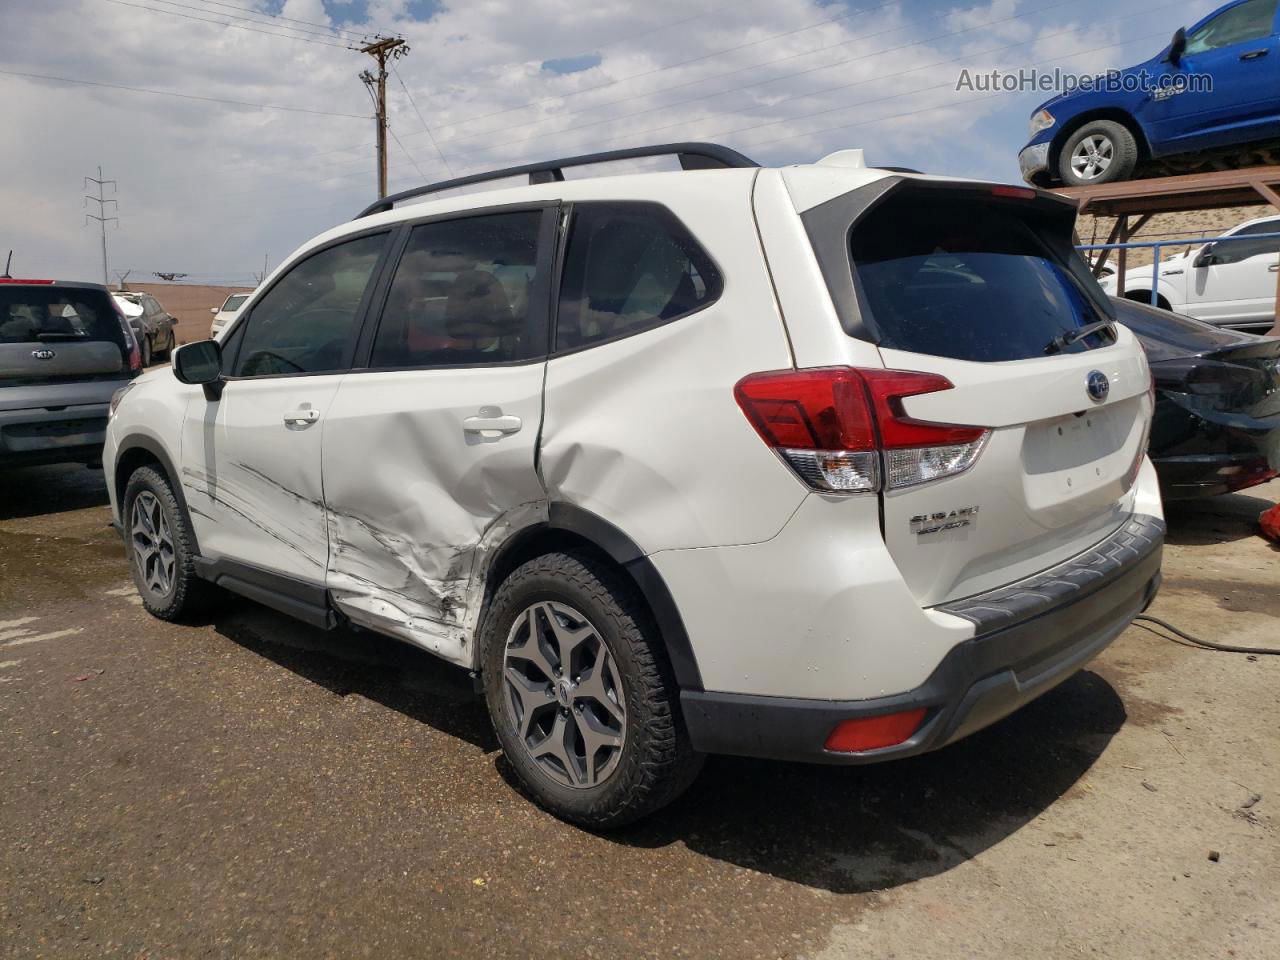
[7,264]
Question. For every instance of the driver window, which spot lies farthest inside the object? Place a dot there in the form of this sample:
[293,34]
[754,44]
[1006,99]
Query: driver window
[306,323]
[1248,21]
[1249,245]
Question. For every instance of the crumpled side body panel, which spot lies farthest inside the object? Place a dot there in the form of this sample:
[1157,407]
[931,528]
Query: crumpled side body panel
[418,504]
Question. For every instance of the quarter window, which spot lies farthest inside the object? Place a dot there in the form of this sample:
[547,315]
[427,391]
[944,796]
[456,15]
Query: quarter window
[1250,20]
[629,267]
[462,294]
[306,323]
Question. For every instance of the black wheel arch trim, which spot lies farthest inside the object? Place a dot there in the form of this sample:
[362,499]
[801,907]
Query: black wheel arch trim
[153,447]
[626,553]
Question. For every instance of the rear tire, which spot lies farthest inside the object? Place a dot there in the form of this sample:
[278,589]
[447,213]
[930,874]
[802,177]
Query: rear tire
[581,693]
[161,549]
[1099,152]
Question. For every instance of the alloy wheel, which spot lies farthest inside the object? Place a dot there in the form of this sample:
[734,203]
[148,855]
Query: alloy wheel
[1091,156]
[564,695]
[152,544]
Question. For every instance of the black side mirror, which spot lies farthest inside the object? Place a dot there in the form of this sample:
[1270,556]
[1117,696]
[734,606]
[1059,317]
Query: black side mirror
[1205,257]
[1178,46]
[200,363]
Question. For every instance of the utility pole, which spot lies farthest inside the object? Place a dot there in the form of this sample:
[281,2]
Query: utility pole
[122,277]
[102,217]
[382,49]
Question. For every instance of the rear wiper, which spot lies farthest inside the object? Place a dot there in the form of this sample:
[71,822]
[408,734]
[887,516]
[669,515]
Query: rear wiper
[1064,340]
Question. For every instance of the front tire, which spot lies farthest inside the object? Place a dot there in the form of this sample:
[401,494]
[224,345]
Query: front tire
[582,695]
[1099,152]
[144,348]
[161,548]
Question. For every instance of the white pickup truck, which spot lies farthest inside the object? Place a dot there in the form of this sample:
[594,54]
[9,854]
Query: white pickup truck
[1231,283]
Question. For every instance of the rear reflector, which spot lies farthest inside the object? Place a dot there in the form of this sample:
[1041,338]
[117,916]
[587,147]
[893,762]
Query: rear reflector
[873,733]
[844,430]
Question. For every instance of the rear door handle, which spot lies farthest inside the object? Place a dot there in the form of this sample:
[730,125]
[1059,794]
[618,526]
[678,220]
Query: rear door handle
[1254,54]
[497,423]
[301,417]
[1274,268]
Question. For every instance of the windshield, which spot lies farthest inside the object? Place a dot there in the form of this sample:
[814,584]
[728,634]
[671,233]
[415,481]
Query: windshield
[965,278]
[234,301]
[46,314]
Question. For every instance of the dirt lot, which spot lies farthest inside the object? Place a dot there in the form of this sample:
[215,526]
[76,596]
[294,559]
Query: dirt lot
[252,787]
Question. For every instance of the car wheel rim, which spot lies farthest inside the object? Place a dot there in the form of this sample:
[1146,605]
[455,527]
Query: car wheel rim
[1092,156]
[564,697]
[152,544]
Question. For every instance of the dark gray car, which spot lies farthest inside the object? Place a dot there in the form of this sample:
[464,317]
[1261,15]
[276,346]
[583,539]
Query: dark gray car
[65,348]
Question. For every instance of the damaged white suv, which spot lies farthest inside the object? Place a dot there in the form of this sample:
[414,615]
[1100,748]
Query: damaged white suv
[821,463]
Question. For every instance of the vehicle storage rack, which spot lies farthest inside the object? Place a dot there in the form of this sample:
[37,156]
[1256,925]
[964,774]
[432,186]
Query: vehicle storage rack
[1188,193]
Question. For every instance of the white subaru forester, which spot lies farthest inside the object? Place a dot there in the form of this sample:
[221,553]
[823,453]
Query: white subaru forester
[821,462]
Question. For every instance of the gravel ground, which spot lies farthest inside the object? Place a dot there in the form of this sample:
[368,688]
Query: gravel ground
[254,787]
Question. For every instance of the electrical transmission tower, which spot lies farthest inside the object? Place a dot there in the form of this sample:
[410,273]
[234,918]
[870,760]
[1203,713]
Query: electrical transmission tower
[101,216]
[382,49]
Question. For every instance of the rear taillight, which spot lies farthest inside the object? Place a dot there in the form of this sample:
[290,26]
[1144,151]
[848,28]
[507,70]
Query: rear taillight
[134,355]
[844,430]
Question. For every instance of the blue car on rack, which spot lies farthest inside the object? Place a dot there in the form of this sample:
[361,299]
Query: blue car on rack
[1212,96]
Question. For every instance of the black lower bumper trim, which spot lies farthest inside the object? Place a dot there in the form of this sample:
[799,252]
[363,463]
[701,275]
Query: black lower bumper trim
[980,681]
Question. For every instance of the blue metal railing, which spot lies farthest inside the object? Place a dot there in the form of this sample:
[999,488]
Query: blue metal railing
[1156,247]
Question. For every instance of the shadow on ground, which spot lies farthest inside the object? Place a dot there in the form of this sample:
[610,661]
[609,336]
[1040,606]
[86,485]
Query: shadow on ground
[35,491]
[348,661]
[841,829]
[1214,520]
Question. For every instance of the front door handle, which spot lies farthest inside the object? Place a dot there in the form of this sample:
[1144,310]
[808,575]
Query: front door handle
[492,423]
[1254,54]
[301,417]
[1274,268]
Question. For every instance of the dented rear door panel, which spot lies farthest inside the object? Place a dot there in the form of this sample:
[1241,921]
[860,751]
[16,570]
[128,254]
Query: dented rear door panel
[417,502]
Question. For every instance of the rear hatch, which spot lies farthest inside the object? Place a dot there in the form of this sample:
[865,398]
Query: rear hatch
[980,285]
[53,333]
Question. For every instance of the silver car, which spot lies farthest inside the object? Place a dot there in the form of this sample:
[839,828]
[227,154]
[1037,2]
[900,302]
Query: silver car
[65,348]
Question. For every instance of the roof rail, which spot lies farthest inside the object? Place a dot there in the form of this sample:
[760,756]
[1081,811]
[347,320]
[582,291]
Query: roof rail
[693,156]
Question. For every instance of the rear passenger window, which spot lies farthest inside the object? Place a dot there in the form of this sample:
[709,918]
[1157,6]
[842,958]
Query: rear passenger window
[461,294]
[629,267]
[306,322]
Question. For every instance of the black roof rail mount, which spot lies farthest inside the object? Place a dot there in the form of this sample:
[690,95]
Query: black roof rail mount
[692,156]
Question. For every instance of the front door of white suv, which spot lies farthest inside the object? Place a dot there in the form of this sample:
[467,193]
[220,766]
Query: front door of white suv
[251,459]
[1234,282]
[430,442]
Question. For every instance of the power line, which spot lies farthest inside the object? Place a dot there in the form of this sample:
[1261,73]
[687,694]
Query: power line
[236,26]
[422,120]
[391,130]
[326,32]
[355,35]
[181,96]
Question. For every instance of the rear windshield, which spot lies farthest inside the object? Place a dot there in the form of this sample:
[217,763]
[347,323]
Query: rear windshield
[233,303]
[57,315]
[967,279]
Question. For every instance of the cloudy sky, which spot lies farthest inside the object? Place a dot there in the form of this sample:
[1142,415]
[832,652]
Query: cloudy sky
[263,136]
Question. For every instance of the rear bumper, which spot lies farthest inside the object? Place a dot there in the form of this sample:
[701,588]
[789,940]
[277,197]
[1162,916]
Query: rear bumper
[1031,636]
[58,435]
